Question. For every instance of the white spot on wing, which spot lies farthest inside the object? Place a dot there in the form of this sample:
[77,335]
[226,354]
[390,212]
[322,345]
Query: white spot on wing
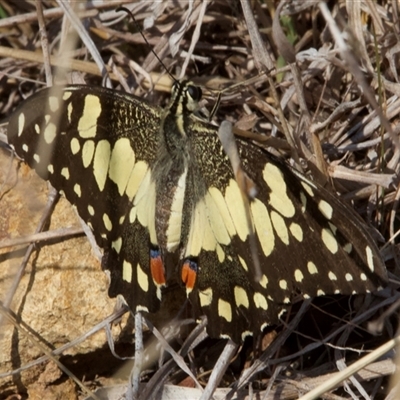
[348,277]
[363,277]
[21,123]
[370,258]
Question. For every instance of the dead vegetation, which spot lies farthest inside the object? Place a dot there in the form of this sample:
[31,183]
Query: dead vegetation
[333,113]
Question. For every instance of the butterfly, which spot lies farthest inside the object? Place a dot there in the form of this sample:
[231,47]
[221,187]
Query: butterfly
[159,193]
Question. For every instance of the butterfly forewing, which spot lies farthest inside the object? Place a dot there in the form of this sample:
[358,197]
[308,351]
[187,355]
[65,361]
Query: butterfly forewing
[105,150]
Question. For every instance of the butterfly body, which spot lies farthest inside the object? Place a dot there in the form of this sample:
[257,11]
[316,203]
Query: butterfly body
[158,191]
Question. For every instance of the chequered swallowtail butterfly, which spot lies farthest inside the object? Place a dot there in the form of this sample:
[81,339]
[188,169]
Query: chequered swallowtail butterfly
[158,191]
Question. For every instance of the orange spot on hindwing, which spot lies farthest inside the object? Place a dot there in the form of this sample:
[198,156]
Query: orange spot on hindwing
[157,268]
[189,274]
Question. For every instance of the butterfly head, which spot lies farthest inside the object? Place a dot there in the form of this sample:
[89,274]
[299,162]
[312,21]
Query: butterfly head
[185,96]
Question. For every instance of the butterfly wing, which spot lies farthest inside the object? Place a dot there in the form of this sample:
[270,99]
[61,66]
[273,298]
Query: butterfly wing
[97,145]
[308,242]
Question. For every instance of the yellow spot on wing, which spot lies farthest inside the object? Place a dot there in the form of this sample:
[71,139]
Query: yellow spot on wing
[216,220]
[296,231]
[101,162]
[65,173]
[278,197]
[329,240]
[87,124]
[77,189]
[87,152]
[50,132]
[280,227]
[117,244]
[138,173]
[283,284]
[264,281]
[243,263]
[66,95]
[312,269]
[145,202]
[220,202]
[206,297]
[325,208]
[332,276]
[263,226]
[107,222]
[298,275]
[75,146]
[122,162]
[260,301]
[225,310]
[127,271]
[241,298]
[234,201]
[307,188]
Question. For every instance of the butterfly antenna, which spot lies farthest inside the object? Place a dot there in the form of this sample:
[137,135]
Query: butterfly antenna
[129,12]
